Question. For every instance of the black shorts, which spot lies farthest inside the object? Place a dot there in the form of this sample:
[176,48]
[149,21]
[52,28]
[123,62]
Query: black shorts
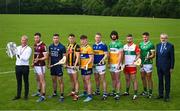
[56,71]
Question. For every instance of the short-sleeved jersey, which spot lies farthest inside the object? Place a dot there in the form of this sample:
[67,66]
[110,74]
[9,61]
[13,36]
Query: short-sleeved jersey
[85,52]
[39,50]
[71,53]
[99,51]
[56,52]
[130,53]
[146,49]
[115,47]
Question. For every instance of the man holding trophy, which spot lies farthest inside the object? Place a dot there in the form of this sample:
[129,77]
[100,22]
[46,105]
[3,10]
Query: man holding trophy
[22,53]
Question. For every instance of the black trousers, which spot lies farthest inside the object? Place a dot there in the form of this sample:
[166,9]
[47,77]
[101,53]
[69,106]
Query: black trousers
[22,72]
[164,76]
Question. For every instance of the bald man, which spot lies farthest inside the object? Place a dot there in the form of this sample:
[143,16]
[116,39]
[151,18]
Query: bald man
[22,67]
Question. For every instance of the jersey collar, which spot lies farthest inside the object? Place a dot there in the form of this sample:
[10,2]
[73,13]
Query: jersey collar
[39,43]
[145,43]
[99,43]
[129,44]
[56,45]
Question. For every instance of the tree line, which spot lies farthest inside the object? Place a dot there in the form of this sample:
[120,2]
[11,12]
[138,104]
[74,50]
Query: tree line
[140,8]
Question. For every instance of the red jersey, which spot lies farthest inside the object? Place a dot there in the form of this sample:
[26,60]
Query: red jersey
[39,49]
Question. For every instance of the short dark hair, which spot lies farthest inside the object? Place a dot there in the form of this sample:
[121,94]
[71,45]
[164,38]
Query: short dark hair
[114,33]
[83,37]
[98,34]
[71,35]
[56,34]
[129,35]
[37,34]
[146,34]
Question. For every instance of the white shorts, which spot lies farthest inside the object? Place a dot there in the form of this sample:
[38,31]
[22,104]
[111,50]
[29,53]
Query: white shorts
[71,70]
[113,68]
[100,69]
[147,68]
[39,70]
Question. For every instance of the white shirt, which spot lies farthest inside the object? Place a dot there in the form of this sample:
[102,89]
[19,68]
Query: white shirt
[24,55]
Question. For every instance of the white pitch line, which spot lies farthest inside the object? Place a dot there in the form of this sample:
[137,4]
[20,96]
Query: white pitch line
[8,72]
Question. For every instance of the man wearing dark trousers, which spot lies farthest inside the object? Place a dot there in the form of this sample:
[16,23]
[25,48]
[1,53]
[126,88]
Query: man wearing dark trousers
[22,67]
[165,65]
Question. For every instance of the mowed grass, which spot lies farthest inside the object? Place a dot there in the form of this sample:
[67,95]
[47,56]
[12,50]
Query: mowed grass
[13,26]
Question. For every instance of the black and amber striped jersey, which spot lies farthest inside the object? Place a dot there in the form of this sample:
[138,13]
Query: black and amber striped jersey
[71,56]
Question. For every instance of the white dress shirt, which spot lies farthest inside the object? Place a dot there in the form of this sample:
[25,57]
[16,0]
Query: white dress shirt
[23,55]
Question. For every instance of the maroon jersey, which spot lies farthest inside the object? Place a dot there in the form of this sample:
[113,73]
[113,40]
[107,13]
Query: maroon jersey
[39,49]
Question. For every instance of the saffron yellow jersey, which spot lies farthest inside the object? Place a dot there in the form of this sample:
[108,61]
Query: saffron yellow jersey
[85,52]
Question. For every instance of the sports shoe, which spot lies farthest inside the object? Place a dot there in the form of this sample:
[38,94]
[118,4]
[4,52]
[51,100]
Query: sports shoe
[53,95]
[117,97]
[126,94]
[144,93]
[134,97]
[61,99]
[41,99]
[82,95]
[104,97]
[112,93]
[75,97]
[36,94]
[71,94]
[149,96]
[88,99]
[96,93]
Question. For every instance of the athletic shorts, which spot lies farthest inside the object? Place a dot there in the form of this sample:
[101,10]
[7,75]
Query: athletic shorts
[130,70]
[113,68]
[56,71]
[86,72]
[100,69]
[147,68]
[39,70]
[71,71]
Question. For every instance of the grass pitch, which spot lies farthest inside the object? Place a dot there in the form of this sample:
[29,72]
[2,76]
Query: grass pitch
[13,26]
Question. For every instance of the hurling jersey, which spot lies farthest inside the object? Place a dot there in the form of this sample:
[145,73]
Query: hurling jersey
[56,52]
[39,49]
[99,51]
[85,52]
[130,53]
[146,49]
[71,53]
[115,47]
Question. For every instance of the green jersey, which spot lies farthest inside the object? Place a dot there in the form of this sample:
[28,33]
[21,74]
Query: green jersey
[146,50]
[115,47]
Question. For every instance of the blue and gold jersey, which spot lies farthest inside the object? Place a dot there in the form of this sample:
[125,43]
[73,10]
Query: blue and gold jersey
[99,52]
[85,52]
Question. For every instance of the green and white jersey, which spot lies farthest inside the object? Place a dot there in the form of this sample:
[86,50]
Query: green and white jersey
[146,50]
[115,47]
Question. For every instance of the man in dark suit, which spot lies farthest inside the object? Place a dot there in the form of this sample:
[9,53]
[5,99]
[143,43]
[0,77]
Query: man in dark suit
[165,65]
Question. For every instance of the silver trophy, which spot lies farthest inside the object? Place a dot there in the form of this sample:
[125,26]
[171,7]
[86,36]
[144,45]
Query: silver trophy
[11,49]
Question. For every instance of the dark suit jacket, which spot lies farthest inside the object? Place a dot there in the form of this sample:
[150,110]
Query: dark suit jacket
[166,59]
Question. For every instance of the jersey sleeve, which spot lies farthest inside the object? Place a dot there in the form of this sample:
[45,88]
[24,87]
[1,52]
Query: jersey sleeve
[105,48]
[120,46]
[90,51]
[137,49]
[49,50]
[77,49]
[64,50]
[44,49]
[152,47]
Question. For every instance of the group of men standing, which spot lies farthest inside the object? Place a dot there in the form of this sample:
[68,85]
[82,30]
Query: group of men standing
[94,60]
